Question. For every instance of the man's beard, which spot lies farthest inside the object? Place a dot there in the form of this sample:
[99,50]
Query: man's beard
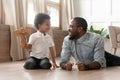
[73,37]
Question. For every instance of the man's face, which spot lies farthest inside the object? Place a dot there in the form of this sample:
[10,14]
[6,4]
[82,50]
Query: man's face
[73,30]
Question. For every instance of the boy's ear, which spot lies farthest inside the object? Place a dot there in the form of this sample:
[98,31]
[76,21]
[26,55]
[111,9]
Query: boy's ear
[39,26]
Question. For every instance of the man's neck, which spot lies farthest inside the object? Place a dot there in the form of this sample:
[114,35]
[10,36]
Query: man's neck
[80,35]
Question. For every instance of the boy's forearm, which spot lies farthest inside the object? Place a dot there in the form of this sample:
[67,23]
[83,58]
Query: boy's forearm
[28,47]
[52,55]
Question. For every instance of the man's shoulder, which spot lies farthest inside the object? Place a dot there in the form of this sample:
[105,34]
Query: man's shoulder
[94,35]
[67,38]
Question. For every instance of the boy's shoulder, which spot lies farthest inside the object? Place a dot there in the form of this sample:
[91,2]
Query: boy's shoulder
[33,34]
[36,35]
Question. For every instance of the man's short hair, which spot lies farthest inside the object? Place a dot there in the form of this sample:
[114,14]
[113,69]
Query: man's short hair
[40,18]
[81,22]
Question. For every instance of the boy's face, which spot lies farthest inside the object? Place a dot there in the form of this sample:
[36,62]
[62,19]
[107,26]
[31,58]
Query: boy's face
[45,26]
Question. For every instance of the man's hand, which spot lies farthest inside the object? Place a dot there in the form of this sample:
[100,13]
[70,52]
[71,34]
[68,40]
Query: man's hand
[69,66]
[81,66]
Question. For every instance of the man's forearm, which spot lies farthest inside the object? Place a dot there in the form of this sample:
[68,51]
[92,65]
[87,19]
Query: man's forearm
[94,65]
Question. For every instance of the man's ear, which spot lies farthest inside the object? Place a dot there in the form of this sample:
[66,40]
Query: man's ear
[80,29]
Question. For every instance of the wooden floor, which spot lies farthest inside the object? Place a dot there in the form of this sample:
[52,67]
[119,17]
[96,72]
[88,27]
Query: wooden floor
[15,71]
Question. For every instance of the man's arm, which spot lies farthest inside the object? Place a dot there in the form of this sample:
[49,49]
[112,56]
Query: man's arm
[94,65]
[83,67]
[99,58]
[65,55]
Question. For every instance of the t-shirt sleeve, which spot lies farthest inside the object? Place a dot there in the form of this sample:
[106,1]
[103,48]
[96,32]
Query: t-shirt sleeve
[30,41]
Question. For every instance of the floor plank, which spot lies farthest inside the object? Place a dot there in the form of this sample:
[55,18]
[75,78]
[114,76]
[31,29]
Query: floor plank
[15,71]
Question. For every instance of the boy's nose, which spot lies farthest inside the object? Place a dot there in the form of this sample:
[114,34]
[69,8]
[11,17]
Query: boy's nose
[69,29]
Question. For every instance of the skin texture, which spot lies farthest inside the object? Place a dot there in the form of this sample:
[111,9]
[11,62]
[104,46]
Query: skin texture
[76,32]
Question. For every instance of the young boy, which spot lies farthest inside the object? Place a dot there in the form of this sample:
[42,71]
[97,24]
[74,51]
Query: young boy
[40,44]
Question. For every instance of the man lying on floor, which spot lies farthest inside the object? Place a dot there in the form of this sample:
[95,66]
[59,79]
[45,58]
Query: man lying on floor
[86,48]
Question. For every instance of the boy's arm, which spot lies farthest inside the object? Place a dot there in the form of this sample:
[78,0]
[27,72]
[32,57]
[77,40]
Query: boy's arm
[53,56]
[28,47]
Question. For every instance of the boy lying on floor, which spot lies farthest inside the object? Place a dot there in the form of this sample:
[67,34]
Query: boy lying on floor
[86,48]
[40,44]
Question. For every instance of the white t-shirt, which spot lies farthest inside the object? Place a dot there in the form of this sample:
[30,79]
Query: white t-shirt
[40,44]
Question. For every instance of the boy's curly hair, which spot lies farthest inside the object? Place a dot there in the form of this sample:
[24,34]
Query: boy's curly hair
[40,18]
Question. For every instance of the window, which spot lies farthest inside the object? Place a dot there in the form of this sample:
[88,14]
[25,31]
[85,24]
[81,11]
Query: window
[57,1]
[100,16]
[54,16]
[53,9]
[31,13]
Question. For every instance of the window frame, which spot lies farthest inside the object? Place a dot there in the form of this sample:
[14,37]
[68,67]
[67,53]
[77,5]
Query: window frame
[56,6]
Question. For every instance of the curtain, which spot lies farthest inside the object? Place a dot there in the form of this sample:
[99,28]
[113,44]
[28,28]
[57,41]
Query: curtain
[67,8]
[16,16]
[2,15]
[39,6]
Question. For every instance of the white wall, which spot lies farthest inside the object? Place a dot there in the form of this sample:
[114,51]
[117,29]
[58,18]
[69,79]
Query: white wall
[99,13]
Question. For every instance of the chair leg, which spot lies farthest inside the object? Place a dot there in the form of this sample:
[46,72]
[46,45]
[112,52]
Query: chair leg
[115,49]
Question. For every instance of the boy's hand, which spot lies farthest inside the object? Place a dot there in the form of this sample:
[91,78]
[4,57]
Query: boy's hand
[69,66]
[28,46]
[54,65]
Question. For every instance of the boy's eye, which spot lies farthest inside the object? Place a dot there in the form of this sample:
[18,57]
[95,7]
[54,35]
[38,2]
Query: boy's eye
[48,24]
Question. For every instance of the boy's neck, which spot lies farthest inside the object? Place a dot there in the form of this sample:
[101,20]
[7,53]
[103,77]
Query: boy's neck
[44,33]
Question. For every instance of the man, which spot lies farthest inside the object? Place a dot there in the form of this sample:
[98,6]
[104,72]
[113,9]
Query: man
[86,48]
